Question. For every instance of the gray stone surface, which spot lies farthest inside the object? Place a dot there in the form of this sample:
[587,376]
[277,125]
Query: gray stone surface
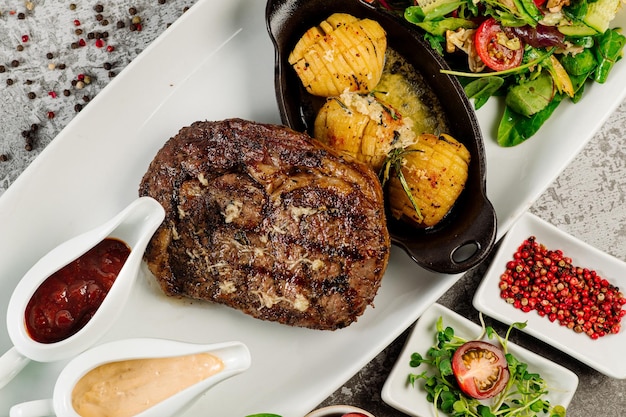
[51,29]
[586,200]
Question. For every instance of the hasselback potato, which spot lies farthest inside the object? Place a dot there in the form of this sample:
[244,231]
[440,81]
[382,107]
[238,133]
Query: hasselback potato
[362,127]
[342,53]
[375,112]
[435,169]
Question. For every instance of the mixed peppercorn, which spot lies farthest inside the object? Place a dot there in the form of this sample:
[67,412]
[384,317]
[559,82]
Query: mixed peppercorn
[88,31]
[547,282]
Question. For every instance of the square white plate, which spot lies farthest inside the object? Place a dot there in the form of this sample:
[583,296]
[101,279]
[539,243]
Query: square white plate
[398,393]
[606,354]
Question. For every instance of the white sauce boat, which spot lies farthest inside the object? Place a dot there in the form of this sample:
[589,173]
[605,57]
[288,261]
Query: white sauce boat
[135,226]
[234,355]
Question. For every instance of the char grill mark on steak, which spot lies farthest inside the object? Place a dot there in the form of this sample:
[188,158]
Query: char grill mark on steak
[268,221]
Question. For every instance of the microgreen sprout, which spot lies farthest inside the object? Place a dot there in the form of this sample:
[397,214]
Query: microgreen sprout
[523,396]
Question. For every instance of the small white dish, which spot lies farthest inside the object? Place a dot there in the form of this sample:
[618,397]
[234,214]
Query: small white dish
[235,357]
[134,226]
[337,411]
[605,354]
[411,400]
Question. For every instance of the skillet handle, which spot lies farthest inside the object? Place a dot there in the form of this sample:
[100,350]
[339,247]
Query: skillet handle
[453,252]
[472,251]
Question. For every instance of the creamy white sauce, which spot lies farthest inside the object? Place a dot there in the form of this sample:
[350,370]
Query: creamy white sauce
[126,388]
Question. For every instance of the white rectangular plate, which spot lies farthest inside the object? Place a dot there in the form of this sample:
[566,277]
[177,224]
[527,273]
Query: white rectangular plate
[606,354]
[398,393]
[216,62]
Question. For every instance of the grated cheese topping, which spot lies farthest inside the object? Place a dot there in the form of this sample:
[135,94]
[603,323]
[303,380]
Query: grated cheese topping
[232,211]
[369,106]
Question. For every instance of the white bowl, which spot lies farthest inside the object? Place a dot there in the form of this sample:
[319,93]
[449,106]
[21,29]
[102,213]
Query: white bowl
[411,400]
[337,411]
[605,354]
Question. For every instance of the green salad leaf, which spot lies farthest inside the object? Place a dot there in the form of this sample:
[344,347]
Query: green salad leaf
[573,45]
[531,96]
[608,52]
[515,128]
[481,89]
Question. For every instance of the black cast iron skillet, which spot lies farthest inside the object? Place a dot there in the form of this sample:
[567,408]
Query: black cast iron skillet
[467,234]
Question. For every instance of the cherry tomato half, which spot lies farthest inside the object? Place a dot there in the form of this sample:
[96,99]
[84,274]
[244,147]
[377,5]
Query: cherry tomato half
[480,369]
[495,48]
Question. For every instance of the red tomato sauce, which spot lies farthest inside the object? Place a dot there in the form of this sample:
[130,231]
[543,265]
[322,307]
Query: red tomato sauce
[66,301]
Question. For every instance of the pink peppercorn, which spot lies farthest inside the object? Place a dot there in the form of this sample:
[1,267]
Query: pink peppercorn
[546,281]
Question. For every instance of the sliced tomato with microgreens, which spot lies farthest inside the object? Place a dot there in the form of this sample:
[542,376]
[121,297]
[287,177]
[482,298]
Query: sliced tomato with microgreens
[495,48]
[480,369]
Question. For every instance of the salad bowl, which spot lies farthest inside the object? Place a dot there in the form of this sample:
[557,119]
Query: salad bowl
[465,237]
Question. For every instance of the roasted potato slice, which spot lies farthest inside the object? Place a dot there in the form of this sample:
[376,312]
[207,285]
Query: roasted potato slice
[362,127]
[342,53]
[435,169]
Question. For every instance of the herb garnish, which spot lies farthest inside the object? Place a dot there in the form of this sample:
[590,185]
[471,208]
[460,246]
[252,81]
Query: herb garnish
[523,396]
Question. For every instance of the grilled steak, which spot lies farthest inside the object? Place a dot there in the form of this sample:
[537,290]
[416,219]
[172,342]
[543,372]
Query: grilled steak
[268,221]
